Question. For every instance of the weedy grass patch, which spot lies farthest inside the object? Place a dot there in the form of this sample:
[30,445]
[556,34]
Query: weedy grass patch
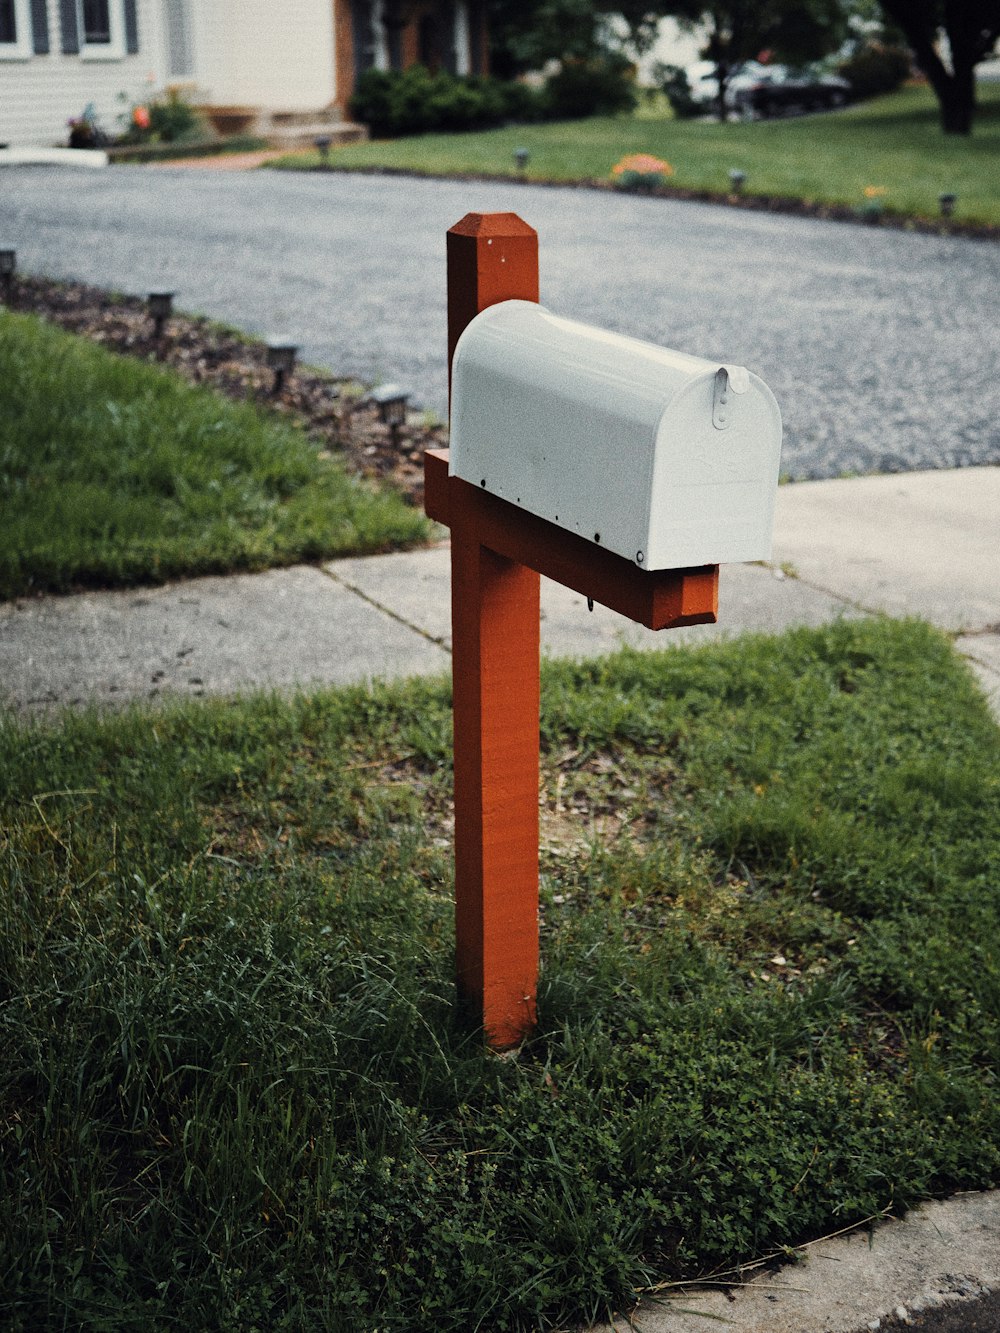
[891,145]
[115,472]
[235,1091]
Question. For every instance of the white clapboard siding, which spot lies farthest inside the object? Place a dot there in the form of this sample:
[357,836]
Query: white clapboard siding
[249,53]
[255,53]
[41,92]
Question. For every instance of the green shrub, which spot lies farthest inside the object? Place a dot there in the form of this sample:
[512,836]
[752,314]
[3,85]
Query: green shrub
[875,69]
[454,104]
[415,101]
[374,101]
[393,103]
[522,103]
[173,119]
[599,87]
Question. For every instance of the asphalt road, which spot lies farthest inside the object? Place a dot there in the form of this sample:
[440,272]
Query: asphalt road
[880,345]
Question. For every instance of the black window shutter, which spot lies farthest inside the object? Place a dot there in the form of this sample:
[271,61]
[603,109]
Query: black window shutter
[131,28]
[70,30]
[40,27]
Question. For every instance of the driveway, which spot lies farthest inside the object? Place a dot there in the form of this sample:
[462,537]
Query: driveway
[880,345]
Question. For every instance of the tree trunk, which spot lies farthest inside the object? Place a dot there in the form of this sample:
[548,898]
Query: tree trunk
[722,76]
[971,34]
[957,98]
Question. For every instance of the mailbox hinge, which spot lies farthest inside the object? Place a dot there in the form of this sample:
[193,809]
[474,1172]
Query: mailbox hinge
[729,380]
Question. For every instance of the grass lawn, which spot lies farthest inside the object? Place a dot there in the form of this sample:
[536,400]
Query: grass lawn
[235,1094]
[113,471]
[891,143]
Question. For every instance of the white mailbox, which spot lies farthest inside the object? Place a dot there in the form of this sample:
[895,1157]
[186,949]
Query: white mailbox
[664,458]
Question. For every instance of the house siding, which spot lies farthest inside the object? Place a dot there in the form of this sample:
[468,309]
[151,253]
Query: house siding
[254,53]
[40,94]
[302,55]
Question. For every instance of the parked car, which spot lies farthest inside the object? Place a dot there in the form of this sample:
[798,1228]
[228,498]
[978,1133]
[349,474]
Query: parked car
[704,84]
[776,90]
[753,89]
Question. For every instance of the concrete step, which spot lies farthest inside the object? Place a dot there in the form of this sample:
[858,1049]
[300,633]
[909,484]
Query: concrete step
[303,134]
[327,115]
[285,129]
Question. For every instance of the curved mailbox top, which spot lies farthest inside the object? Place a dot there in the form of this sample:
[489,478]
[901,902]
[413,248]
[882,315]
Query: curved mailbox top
[667,459]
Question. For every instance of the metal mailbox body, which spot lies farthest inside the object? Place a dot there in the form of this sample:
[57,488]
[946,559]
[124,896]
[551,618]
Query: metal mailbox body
[666,459]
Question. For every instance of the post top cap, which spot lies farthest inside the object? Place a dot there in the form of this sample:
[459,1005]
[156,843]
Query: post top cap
[491,224]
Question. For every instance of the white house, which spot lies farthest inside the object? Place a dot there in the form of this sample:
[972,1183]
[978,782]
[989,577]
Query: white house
[300,56]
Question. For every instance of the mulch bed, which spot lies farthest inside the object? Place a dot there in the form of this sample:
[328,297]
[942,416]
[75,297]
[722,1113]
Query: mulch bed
[331,409]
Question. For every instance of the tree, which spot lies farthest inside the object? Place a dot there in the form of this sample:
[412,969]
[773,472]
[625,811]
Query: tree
[527,34]
[971,29]
[792,31]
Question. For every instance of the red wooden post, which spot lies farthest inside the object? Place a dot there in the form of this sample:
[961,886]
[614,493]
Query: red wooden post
[498,551]
[495,637]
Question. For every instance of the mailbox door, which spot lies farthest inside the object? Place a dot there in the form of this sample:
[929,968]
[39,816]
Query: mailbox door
[713,486]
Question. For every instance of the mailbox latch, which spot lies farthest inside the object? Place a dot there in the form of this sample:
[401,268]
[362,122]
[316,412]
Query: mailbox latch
[729,380]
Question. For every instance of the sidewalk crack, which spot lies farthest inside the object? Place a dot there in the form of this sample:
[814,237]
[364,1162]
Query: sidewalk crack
[438,640]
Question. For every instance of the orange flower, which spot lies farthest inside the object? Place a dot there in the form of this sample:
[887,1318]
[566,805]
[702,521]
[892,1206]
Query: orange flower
[140,117]
[643,164]
[875,191]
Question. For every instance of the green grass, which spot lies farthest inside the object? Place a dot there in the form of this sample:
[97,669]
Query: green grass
[234,1091]
[893,143]
[113,471]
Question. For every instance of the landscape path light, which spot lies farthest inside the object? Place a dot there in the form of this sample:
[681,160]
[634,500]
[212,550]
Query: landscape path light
[281,359]
[737,179]
[322,143]
[8,263]
[947,202]
[391,401]
[521,156]
[161,307]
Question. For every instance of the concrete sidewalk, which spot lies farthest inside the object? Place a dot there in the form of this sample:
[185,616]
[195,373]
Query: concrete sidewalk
[940,1261]
[924,544]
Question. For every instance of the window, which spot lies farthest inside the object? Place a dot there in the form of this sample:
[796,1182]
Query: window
[96,26]
[15,30]
[101,29]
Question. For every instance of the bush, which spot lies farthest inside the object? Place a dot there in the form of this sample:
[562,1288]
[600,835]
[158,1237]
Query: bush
[169,120]
[415,101]
[173,119]
[522,103]
[875,69]
[600,87]
[375,101]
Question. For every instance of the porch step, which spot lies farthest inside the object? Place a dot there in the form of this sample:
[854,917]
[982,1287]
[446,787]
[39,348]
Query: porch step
[327,115]
[304,134]
[285,129]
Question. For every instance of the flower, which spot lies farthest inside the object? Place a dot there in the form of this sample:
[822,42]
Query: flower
[641,171]
[875,191]
[642,164]
[140,117]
